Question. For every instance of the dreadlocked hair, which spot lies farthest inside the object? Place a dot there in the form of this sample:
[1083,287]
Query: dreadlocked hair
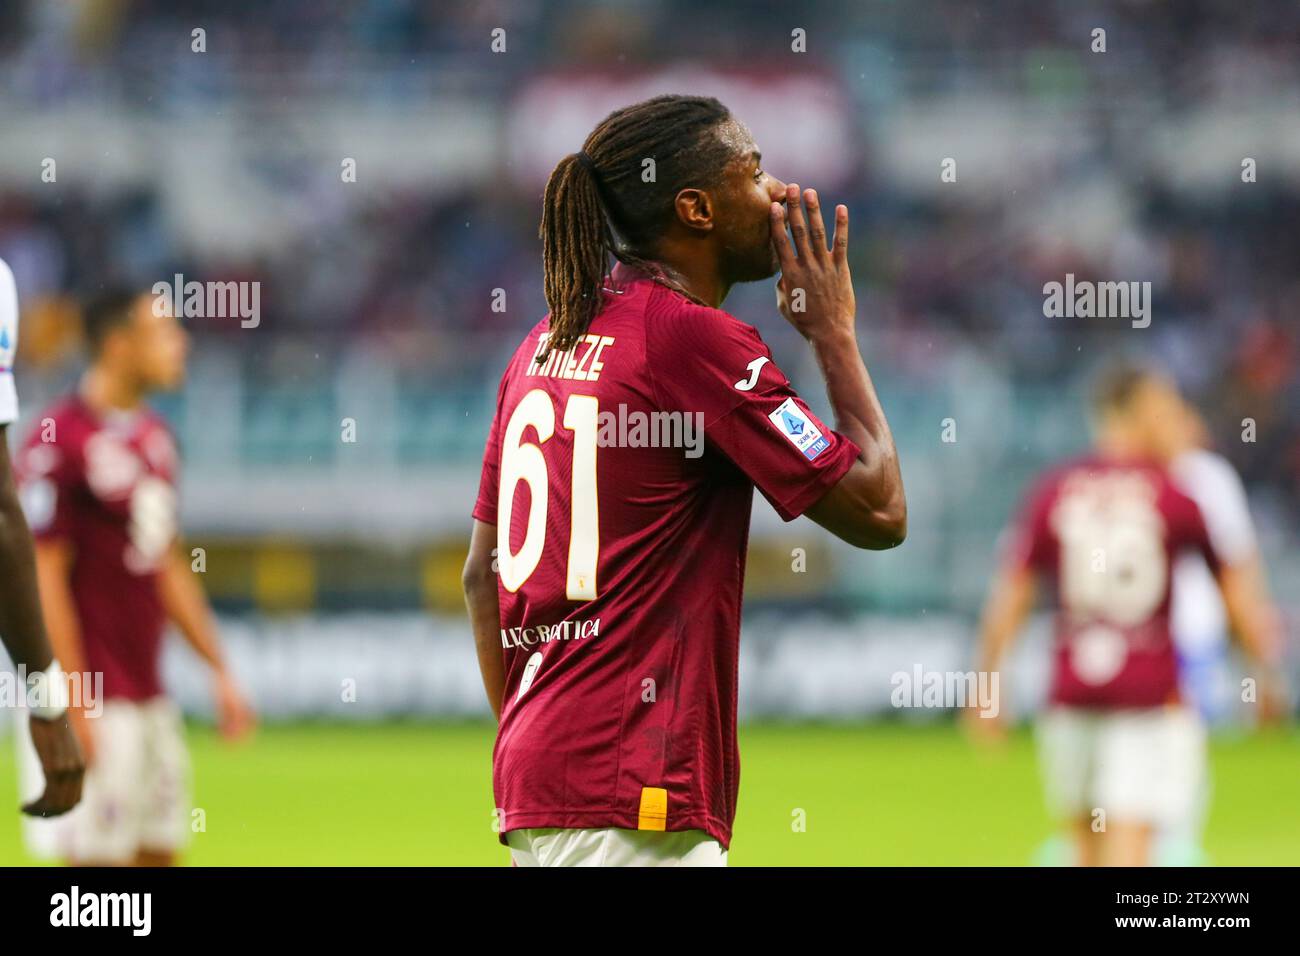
[582,201]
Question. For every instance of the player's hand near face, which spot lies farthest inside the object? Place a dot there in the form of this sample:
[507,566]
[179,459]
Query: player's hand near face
[61,760]
[867,508]
[815,291]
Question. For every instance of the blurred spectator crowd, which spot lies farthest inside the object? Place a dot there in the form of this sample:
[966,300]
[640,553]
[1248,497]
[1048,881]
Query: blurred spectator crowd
[405,274]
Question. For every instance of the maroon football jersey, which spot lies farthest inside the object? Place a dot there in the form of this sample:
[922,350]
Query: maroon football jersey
[106,485]
[1105,533]
[620,476]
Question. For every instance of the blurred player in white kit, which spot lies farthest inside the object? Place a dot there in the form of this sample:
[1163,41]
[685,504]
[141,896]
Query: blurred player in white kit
[1199,618]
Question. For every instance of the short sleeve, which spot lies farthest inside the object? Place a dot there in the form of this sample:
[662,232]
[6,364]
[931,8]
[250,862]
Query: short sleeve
[1210,481]
[1031,545]
[8,345]
[705,361]
[485,508]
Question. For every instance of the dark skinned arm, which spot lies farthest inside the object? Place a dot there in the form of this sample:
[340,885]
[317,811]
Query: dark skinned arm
[22,630]
[480,584]
[867,507]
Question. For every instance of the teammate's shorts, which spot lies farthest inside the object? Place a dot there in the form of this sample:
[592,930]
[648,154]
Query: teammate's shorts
[614,847]
[137,790]
[1140,766]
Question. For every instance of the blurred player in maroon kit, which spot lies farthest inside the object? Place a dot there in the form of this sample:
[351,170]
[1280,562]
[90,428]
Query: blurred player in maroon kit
[99,488]
[609,644]
[1123,754]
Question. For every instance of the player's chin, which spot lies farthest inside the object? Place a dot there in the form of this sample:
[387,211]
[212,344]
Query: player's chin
[751,262]
[761,267]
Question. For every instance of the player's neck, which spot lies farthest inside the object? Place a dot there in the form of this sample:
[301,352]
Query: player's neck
[697,275]
[105,391]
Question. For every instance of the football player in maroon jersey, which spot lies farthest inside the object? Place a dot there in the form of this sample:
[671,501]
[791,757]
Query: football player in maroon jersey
[99,486]
[632,426]
[1123,754]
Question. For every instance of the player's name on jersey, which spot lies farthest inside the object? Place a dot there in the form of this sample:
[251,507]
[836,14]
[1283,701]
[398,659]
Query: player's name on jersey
[544,634]
[581,363]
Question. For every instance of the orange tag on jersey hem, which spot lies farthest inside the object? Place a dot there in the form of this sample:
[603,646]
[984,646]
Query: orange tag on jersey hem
[654,809]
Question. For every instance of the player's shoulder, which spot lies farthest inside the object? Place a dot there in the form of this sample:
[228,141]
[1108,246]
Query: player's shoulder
[1177,498]
[1201,468]
[673,319]
[65,421]
[156,430]
[55,438]
[1170,497]
[65,410]
[525,351]
[155,420]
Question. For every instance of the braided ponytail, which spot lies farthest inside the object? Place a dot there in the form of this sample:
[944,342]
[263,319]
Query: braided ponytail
[575,239]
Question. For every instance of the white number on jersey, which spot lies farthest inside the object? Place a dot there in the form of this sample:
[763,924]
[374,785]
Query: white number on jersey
[524,461]
[1113,563]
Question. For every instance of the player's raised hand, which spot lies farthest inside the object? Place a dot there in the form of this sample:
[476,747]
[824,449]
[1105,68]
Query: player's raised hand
[815,291]
[61,760]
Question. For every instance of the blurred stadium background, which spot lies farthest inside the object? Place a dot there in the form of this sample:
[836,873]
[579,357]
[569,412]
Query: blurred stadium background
[331,560]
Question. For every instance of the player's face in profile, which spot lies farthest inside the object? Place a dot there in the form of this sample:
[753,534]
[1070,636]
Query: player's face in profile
[160,346]
[743,215]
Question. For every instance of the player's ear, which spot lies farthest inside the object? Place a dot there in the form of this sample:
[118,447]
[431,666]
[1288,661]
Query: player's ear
[695,209]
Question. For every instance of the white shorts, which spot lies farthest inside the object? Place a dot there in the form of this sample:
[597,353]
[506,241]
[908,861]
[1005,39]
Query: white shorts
[1142,766]
[136,794]
[614,847]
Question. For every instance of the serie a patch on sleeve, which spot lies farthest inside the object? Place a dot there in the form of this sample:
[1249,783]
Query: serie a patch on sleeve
[802,432]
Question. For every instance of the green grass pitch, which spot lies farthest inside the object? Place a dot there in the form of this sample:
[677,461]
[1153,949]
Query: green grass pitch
[874,794]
